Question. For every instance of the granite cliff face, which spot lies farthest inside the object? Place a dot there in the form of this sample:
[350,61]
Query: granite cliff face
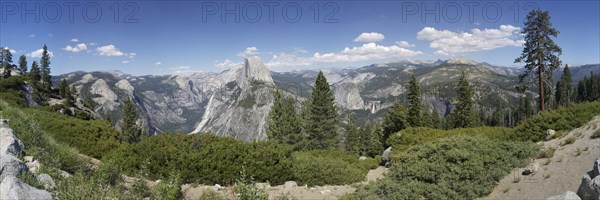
[236,101]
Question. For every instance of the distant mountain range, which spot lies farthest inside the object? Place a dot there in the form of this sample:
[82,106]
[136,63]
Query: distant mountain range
[236,101]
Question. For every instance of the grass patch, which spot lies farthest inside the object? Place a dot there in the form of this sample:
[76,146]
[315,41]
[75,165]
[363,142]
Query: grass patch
[546,153]
[596,134]
[568,141]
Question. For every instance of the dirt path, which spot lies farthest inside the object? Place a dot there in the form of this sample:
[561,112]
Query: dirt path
[297,192]
[561,173]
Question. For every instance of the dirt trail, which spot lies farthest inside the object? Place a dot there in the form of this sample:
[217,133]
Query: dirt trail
[561,173]
[298,192]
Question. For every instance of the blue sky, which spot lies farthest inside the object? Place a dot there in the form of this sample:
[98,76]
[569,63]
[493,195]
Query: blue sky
[156,37]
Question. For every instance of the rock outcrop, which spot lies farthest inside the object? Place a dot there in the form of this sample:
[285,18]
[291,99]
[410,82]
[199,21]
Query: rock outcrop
[568,195]
[11,167]
[590,183]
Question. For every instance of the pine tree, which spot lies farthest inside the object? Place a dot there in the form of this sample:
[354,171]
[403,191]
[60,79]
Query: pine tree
[5,58]
[130,130]
[45,71]
[394,120]
[464,114]
[64,87]
[23,65]
[497,116]
[294,133]
[351,143]
[283,121]
[321,123]
[564,91]
[35,75]
[540,53]
[275,120]
[68,98]
[414,98]
[374,145]
[436,120]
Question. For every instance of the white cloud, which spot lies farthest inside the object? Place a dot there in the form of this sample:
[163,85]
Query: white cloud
[183,70]
[158,63]
[369,51]
[441,53]
[38,53]
[78,48]
[226,64]
[109,50]
[132,55]
[369,37]
[125,61]
[250,51]
[404,44]
[74,40]
[366,52]
[12,51]
[448,42]
[31,35]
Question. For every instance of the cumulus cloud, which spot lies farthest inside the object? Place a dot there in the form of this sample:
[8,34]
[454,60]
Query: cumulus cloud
[448,42]
[366,52]
[12,51]
[369,37]
[183,70]
[38,53]
[74,40]
[226,64]
[369,51]
[109,50]
[404,44]
[77,48]
[250,51]
[157,63]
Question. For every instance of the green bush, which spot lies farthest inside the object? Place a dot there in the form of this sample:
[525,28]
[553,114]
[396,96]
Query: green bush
[561,119]
[206,159]
[245,189]
[94,138]
[327,167]
[457,167]
[11,91]
[170,189]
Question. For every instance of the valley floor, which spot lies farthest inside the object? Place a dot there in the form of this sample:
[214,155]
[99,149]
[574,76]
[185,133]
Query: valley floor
[563,172]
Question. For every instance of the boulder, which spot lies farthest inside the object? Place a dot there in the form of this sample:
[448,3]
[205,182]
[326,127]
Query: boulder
[596,169]
[265,186]
[13,188]
[362,158]
[46,180]
[549,134]
[589,188]
[290,184]
[385,157]
[11,166]
[9,144]
[64,174]
[33,166]
[3,123]
[217,187]
[568,195]
[532,169]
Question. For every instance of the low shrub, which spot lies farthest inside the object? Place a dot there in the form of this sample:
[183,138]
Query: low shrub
[94,138]
[457,167]
[170,189]
[596,134]
[561,119]
[323,167]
